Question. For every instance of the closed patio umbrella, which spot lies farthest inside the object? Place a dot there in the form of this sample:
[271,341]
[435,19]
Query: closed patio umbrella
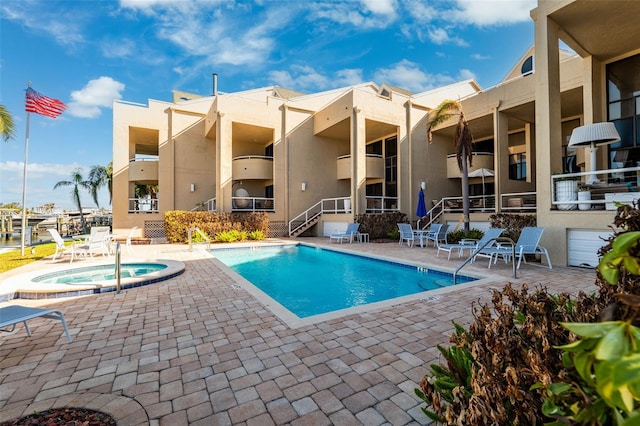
[481,172]
[421,211]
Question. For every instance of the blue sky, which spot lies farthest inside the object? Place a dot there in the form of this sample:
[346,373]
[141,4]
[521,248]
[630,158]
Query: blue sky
[90,53]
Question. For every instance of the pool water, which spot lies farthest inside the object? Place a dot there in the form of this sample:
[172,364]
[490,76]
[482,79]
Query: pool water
[310,281]
[95,274]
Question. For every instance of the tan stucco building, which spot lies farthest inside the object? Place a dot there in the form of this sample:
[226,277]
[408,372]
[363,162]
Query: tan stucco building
[314,161]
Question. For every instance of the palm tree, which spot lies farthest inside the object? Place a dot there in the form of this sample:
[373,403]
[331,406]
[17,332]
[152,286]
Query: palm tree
[76,182]
[463,144]
[100,176]
[7,129]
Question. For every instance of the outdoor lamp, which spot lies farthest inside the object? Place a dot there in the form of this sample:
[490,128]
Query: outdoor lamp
[593,135]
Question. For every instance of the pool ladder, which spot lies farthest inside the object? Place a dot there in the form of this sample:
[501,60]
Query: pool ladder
[476,251]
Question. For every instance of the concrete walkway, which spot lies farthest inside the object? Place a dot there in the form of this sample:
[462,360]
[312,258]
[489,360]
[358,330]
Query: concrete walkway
[200,349]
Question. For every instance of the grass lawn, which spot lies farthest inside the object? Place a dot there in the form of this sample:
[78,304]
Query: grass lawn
[12,259]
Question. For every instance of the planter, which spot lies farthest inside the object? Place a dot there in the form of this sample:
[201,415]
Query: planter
[347,205]
[567,190]
[584,196]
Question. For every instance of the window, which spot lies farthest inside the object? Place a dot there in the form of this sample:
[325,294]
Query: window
[518,166]
[623,96]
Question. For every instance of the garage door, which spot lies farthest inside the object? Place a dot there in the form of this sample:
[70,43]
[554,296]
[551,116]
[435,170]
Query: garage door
[583,246]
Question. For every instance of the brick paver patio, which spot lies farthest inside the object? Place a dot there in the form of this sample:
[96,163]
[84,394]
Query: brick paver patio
[199,349]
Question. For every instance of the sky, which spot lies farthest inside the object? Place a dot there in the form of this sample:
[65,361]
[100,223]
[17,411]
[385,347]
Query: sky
[90,53]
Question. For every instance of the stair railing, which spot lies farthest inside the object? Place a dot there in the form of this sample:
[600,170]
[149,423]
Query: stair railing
[326,205]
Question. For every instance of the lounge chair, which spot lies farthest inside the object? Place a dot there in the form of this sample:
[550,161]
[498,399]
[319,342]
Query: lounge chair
[61,248]
[129,237]
[437,233]
[528,243]
[406,234]
[98,242]
[348,235]
[14,314]
[470,244]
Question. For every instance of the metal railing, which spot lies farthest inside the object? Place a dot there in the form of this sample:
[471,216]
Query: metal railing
[479,249]
[380,204]
[209,206]
[252,204]
[143,205]
[202,235]
[326,205]
[599,190]
[518,201]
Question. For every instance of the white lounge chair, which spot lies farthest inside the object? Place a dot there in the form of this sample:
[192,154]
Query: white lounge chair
[470,244]
[61,248]
[348,235]
[14,314]
[528,243]
[98,242]
[129,237]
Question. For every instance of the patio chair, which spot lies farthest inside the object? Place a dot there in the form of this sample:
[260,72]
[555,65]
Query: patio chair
[98,242]
[349,234]
[470,243]
[528,243]
[61,248]
[129,237]
[14,314]
[406,234]
[437,234]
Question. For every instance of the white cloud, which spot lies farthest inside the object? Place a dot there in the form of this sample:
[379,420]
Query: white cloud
[480,57]
[96,94]
[408,75]
[368,14]
[404,74]
[65,26]
[120,48]
[348,77]
[493,12]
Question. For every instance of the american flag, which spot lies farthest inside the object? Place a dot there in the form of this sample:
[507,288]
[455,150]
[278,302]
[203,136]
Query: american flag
[44,105]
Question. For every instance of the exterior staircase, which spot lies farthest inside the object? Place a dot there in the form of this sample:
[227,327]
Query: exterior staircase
[311,216]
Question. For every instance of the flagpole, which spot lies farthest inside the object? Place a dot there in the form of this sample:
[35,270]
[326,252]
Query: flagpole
[24,188]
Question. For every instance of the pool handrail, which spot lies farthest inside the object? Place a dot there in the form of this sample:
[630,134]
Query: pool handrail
[202,234]
[477,250]
[118,270]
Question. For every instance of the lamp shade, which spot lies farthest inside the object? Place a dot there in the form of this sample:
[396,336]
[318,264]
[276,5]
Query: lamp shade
[596,133]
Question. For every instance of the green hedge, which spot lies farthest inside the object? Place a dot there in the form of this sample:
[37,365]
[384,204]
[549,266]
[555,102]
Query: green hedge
[178,222]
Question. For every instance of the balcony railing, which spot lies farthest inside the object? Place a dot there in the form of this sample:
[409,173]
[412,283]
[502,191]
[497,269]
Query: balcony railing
[148,205]
[143,169]
[248,167]
[252,204]
[379,204]
[374,166]
[581,191]
[518,201]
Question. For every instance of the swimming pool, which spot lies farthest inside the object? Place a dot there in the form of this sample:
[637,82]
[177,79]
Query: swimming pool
[310,281]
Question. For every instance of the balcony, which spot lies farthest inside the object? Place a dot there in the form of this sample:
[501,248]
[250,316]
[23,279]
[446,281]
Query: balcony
[375,167]
[253,204]
[572,192]
[480,160]
[143,170]
[381,204]
[143,205]
[252,167]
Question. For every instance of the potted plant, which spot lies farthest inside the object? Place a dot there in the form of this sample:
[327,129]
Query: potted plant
[584,194]
[566,190]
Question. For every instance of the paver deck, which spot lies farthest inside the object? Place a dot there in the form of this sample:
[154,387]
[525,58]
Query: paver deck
[200,349]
